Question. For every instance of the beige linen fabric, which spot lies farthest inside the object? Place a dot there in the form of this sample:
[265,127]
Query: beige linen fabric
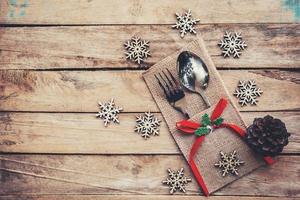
[221,139]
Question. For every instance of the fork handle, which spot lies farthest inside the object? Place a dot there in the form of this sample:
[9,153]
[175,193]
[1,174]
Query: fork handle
[204,97]
[183,112]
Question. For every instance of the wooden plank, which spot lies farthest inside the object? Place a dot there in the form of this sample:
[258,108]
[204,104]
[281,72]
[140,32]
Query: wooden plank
[79,91]
[136,175]
[269,46]
[136,197]
[84,134]
[144,12]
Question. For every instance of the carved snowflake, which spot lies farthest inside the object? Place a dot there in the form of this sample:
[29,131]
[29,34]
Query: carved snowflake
[108,112]
[176,181]
[232,44]
[137,49]
[147,125]
[229,163]
[185,23]
[247,92]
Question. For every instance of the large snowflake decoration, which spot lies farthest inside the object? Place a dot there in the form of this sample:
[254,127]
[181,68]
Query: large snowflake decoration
[147,125]
[137,49]
[229,163]
[247,92]
[176,181]
[108,112]
[185,23]
[232,44]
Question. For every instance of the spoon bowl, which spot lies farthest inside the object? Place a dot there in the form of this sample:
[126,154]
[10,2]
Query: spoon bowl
[193,74]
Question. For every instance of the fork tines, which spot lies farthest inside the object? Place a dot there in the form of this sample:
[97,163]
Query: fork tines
[170,86]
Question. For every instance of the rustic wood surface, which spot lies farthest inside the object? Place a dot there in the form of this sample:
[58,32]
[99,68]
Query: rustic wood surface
[269,45]
[130,174]
[73,133]
[59,58]
[136,197]
[52,91]
[144,12]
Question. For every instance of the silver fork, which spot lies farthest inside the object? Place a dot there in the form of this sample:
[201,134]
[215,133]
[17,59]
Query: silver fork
[173,91]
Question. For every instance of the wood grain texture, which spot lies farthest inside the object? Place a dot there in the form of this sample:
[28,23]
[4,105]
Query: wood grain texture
[52,111]
[84,134]
[136,197]
[142,11]
[79,91]
[59,174]
[269,46]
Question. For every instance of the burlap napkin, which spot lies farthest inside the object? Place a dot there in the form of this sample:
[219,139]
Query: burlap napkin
[221,139]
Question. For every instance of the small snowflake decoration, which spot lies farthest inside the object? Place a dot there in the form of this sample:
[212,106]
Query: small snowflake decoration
[185,23]
[108,112]
[147,125]
[176,181]
[247,92]
[232,44]
[137,49]
[229,163]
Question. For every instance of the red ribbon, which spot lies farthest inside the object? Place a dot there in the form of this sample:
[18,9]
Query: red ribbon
[189,127]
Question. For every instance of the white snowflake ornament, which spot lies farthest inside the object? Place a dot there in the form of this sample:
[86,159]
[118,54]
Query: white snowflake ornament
[185,23]
[176,181]
[232,44]
[108,112]
[147,125]
[137,49]
[229,163]
[247,92]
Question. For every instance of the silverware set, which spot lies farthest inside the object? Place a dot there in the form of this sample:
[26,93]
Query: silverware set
[193,75]
[173,91]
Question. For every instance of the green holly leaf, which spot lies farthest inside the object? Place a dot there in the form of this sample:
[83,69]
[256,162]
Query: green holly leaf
[218,121]
[205,120]
[201,131]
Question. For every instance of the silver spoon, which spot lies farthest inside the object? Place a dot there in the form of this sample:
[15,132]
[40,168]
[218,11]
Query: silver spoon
[193,74]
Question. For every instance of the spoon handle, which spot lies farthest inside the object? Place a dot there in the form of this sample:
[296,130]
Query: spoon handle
[204,97]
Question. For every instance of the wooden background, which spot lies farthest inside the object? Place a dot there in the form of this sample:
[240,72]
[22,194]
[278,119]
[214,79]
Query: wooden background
[59,58]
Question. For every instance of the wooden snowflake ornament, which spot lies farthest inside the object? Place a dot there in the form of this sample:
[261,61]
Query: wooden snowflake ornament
[185,23]
[108,112]
[137,49]
[247,92]
[147,125]
[176,181]
[232,44]
[229,163]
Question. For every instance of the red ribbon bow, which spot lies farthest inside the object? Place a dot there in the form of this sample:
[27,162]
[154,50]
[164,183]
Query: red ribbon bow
[189,127]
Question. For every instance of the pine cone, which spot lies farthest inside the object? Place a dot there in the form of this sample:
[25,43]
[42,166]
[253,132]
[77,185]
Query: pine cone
[267,136]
